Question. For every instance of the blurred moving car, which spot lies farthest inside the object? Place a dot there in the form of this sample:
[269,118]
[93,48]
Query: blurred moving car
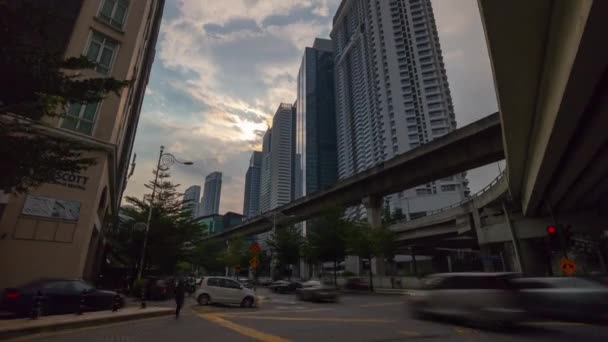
[315,291]
[264,281]
[59,296]
[224,291]
[284,286]
[474,297]
[564,298]
[357,284]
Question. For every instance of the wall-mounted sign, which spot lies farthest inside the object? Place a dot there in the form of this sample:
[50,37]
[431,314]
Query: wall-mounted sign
[51,208]
[71,180]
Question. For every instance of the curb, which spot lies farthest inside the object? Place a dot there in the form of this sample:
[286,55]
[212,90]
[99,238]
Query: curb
[59,326]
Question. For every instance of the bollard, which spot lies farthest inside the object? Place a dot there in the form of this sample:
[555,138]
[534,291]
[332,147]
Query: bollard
[37,306]
[81,301]
[143,298]
[116,302]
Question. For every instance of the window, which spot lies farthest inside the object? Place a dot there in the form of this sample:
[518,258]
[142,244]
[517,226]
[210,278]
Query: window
[101,51]
[449,187]
[423,191]
[213,282]
[81,118]
[114,12]
[80,286]
[231,284]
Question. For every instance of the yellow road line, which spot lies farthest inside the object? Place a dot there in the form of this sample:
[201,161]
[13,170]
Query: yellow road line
[379,304]
[465,331]
[255,313]
[409,333]
[243,330]
[321,319]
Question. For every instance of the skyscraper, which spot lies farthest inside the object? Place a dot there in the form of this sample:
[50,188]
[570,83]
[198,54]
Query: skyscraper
[191,198]
[392,93]
[265,172]
[211,194]
[282,148]
[251,202]
[316,120]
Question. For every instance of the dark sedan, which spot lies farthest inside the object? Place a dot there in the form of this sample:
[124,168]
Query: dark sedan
[316,292]
[58,296]
[284,286]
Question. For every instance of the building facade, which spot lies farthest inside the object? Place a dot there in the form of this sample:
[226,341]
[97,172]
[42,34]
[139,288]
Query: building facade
[316,147]
[58,230]
[251,202]
[212,194]
[392,93]
[192,196]
[282,148]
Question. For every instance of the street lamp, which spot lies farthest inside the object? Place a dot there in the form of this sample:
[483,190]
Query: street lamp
[165,160]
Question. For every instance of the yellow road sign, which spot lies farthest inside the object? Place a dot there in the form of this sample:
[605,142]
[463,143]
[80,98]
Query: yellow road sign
[567,266]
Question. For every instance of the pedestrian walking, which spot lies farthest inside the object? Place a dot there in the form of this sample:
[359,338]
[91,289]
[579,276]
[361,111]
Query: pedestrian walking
[180,292]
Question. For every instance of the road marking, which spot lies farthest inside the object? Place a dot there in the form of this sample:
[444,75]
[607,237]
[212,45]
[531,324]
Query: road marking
[379,304]
[324,319]
[465,331]
[241,329]
[409,333]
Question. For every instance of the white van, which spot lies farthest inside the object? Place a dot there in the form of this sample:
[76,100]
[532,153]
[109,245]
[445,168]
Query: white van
[224,291]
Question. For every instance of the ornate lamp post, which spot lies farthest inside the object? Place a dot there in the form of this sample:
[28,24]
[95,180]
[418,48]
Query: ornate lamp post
[165,160]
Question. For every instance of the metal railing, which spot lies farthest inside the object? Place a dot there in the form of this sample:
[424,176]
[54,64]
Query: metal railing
[460,203]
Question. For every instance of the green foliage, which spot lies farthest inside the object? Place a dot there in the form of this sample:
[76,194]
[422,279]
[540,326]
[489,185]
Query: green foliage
[286,244]
[237,254]
[208,256]
[37,82]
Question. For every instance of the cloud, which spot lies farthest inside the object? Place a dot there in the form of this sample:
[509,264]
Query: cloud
[223,67]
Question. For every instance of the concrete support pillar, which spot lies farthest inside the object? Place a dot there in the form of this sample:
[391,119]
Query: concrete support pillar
[226,268]
[514,240]
[374,218]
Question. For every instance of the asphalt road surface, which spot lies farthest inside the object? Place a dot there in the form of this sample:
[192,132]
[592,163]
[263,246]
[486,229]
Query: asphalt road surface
[280,318]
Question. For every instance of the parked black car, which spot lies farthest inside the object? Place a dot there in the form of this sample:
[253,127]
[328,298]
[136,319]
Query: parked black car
[160,288]
[59,296]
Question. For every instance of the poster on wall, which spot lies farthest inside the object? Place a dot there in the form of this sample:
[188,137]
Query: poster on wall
[51,208]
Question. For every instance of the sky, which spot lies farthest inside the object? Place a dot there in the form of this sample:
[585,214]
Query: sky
[223,67]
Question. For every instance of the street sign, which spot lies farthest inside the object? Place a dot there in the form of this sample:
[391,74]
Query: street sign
[255,248]
[567,266]
[253,262]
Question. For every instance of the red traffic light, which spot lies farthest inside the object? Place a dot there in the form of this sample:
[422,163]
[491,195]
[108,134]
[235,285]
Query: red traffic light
[551,230]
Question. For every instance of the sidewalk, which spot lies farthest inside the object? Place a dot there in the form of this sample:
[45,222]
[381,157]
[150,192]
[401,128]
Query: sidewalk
[24,326]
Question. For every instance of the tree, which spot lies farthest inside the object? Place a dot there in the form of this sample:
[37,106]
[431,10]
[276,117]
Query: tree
[237,254]
[172,235]
[285,243]
[328,239]
[208,256]
[366,243]
[309,253]
[38,83]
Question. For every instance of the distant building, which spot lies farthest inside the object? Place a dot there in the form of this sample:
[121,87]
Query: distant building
[191,198]
[216,223]
[212,193]
[251,202]
[282,148]
[265,172]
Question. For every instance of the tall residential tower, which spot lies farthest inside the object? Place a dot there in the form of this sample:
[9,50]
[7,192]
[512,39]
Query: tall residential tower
[392,93]
[191,199]
[282,153]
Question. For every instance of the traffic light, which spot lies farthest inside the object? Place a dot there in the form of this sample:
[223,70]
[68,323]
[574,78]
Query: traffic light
[553,239]
[568,236]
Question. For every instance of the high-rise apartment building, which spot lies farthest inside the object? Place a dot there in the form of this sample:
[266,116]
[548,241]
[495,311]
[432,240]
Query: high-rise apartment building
[251,202]
[58,230]
[211,194]
[282,152]
[316,120]
[191,199]
[265,172]
[392,93]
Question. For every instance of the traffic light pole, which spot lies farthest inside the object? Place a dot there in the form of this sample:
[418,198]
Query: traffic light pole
[559,231]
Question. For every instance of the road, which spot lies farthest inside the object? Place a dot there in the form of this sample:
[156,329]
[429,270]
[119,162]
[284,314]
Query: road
[280,318]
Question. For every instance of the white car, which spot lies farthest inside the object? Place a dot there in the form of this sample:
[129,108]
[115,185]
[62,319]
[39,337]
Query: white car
[224,291]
